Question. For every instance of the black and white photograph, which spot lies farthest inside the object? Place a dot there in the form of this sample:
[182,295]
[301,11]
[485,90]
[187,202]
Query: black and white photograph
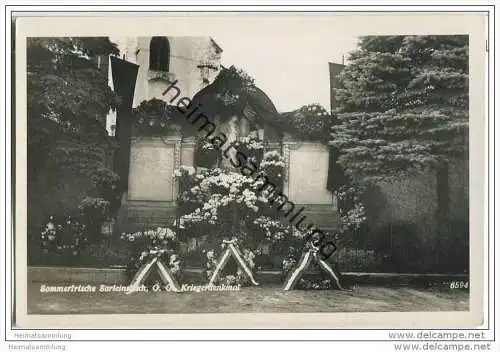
[246,170]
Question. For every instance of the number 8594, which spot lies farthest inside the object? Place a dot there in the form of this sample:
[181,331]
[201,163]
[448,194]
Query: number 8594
[459,284]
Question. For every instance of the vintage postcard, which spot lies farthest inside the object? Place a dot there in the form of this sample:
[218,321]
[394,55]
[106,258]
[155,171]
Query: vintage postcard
[250,170]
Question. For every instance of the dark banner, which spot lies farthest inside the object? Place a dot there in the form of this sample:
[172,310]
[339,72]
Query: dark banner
[124,79]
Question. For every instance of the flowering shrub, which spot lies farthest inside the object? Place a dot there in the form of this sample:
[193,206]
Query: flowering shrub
[274,229]
[240,83]
[351,210]
[145,245]
[186,176]
[64,235]
[251,146]
[227,98]
[226,199]
[273,166]
[289,262]
[276,232]
[107,183]
[155,117]
[252,141]
[205,154]
[272,159]
[229,205]
[96,209]
[311,121]
[150,240]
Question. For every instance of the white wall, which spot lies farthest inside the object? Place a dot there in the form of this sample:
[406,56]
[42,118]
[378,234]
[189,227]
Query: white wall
[307,173]
[152,164]
[186,53]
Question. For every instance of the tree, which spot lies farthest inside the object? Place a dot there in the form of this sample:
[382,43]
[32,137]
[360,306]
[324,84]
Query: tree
[68,99]
[403,105]
[67,93]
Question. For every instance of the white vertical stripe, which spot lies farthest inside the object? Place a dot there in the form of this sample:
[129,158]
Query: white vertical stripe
[242,263]
[297,271]
[219,266]
[111,117]
[110,74]
[166,275]
[328,269]
[140,276]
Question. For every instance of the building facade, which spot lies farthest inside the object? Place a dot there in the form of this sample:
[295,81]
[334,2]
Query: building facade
[193,63]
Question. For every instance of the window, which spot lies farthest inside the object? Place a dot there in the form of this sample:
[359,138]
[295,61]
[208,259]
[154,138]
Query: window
[159,54]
